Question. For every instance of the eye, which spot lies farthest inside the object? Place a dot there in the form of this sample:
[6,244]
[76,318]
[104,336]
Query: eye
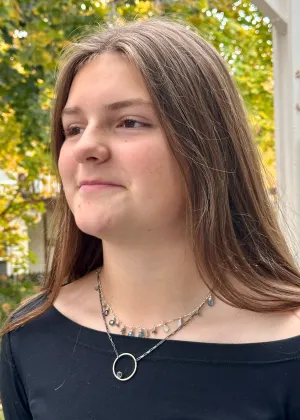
[131,123]
[72,131]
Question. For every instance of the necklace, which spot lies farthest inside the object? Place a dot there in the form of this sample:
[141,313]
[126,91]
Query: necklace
[144,332]
[119,375]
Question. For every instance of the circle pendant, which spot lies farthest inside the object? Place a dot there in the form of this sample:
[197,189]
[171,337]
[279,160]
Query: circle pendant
[119,375]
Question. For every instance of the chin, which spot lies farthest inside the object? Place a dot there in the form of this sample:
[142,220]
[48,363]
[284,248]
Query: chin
[93,225]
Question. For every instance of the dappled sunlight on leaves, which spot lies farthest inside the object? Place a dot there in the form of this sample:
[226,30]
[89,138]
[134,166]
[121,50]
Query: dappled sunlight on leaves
[15,290]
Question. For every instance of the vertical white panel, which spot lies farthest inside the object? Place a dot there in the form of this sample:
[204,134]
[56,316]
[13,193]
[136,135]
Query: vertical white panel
[285,16]
[287,120]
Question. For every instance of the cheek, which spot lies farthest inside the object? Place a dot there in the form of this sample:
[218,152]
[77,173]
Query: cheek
[66,168]
[146,166]
[157,177]
[65,164]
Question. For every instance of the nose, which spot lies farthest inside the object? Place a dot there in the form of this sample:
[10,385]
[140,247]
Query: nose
[91,146]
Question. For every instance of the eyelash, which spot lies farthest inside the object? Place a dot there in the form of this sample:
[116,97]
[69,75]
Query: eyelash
[68,131]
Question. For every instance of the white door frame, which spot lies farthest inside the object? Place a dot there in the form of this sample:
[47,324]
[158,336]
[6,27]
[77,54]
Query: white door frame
[285,17]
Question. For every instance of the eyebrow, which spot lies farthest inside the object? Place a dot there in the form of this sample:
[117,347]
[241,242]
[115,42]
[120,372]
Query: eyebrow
[115,106]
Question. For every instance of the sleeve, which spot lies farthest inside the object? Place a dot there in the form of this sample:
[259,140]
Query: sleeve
[12,392]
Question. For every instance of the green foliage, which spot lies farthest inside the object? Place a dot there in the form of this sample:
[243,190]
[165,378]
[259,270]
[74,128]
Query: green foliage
[32,34]
[14,290]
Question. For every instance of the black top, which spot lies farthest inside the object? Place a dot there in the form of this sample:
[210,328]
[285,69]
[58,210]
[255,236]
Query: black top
[54,369]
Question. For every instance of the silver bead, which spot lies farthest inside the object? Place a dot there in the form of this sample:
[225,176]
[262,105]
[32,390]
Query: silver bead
[166,328]
[210,301]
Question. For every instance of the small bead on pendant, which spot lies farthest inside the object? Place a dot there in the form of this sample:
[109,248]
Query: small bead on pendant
[210,301]
[180,322]
[112,322]
[131,334]
[154,330]
[123,330]
[166,328]
[141,334]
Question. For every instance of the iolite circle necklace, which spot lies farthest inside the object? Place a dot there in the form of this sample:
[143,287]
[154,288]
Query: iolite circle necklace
[119,374]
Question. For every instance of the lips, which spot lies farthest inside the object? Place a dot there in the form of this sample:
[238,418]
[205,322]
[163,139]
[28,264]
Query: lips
[96,182]
[96,187]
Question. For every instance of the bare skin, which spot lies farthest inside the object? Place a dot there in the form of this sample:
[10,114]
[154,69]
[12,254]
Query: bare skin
[149,270]
[222,323]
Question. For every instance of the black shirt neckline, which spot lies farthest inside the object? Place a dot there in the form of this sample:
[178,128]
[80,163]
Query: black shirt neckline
[249,353]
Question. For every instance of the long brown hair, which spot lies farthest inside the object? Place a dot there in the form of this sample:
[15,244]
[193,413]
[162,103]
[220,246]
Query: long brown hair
[239,248]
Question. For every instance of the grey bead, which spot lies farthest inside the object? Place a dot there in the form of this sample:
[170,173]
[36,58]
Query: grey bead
[211,301]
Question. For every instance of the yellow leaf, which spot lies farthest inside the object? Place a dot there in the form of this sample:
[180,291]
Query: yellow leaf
[6,307]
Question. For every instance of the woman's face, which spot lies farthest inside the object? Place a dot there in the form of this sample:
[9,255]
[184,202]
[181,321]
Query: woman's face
[113,135]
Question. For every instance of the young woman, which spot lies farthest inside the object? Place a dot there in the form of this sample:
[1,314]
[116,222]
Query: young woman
[172,293]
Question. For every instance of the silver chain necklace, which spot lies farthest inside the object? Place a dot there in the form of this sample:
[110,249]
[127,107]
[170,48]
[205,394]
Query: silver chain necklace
[119,375]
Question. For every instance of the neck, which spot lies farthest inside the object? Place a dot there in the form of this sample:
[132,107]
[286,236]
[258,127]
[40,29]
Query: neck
[149,285]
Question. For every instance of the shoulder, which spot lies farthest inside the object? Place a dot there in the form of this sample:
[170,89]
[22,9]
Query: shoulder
[79,287]
[291,323]
[34,303]
[277,326]
[33,340]
[27,335]
[19,342]
[79,302]
[32,324]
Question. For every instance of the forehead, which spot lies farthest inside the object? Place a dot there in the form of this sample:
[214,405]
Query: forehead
[107,78]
